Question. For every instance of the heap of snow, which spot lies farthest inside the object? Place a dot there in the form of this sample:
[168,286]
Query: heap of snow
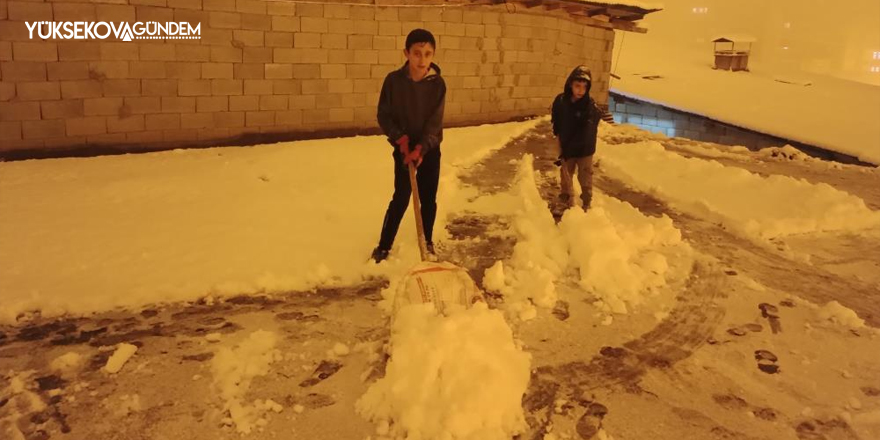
[235,368]
[763,207]
[460,376]
[620,253]
[839,314]
[68,363]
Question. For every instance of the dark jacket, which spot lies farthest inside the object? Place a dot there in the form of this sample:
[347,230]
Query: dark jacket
[413,108]
[576,123]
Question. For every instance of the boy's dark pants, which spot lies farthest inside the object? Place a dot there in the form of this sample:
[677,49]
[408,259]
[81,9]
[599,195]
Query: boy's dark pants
[427,177]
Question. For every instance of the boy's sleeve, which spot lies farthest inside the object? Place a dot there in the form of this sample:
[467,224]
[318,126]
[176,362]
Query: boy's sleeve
[554,116]
[433,133]
[385,112]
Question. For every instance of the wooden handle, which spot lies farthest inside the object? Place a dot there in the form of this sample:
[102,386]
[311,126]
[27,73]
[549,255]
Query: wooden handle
[417,209]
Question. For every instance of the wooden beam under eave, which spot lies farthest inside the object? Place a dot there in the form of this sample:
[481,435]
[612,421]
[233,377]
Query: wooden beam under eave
[597,11]
[612,24]
[533,3]
[629,26]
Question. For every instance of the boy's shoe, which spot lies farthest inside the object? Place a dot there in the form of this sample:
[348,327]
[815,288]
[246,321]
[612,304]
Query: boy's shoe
[432,256]
[379,255]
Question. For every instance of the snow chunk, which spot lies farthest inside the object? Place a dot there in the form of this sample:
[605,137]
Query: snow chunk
[123,353]
[455,377]
[235,368]
[837,313]
[69,362]
[341,349]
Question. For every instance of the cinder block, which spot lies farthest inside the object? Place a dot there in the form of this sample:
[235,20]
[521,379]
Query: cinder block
[337,11]
[19,111]
[244,103]
[360,42]
[81,89]
[249,38]
[160,87]
[219,5]
[192,53]
[269,102]
[34,51]
[259,118]
[102,70]
[310,10]
[196,120]
[121,87]
[29,11]
[285,23]
[334,41]
[384,42]
[332,71]
[147,69]
[185,4]
[366,57]
[225,20]
[315,86]
[217,71]
[312,116]
[5,51]
[43,129]
[341,85]
[229,119]
[86,126]
[15,71]
[140,105]
[258,55]
[38,91]
[288,117]
[149,13]
[387,14]
[314,24]
[65,109]
[306,71]
[115,13]
[279,39]
[10,131]
[365,27]
[127,124]
[156,51]
[257,87]
[182,135]
[193,87]
[71,12]
[183,70]
[387,28]
[226,54]
[248,71]
[281,8]
[193,17]
[102,106]
[302,102]
[357,71]
[226,87]
[326,100]
[279,71]
[143,137]
[306,40]
[354,100]
[256,22]
[340,56]
[341,114]
[250,6]
[67,70]
[286,87]
[162,121]
[172,104]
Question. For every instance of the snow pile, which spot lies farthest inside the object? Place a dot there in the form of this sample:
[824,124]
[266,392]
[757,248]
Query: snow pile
[235,368]
[539,256]
[68,363]
[456,377]
[620,253]
[839,314]
[123,353]
[764,207]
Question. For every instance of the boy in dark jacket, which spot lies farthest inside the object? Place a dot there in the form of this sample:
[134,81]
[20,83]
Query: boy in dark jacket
[575,118]
[411,115]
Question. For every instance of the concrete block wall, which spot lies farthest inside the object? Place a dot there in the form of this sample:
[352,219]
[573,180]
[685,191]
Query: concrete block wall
[270,67]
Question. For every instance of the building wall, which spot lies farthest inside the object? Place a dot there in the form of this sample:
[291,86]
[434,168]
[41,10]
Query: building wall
[674,123]
[270,68]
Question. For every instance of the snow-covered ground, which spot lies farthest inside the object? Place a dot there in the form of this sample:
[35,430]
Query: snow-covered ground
[703,296]
[830,112]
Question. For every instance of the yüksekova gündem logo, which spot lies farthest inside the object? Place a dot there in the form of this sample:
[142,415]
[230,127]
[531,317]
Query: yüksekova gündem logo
[100,30]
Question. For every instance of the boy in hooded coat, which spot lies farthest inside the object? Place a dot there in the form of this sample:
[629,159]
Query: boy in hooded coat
[575,119]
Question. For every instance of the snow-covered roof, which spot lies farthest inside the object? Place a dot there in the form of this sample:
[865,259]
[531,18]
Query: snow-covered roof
[734,38]
[632,3]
